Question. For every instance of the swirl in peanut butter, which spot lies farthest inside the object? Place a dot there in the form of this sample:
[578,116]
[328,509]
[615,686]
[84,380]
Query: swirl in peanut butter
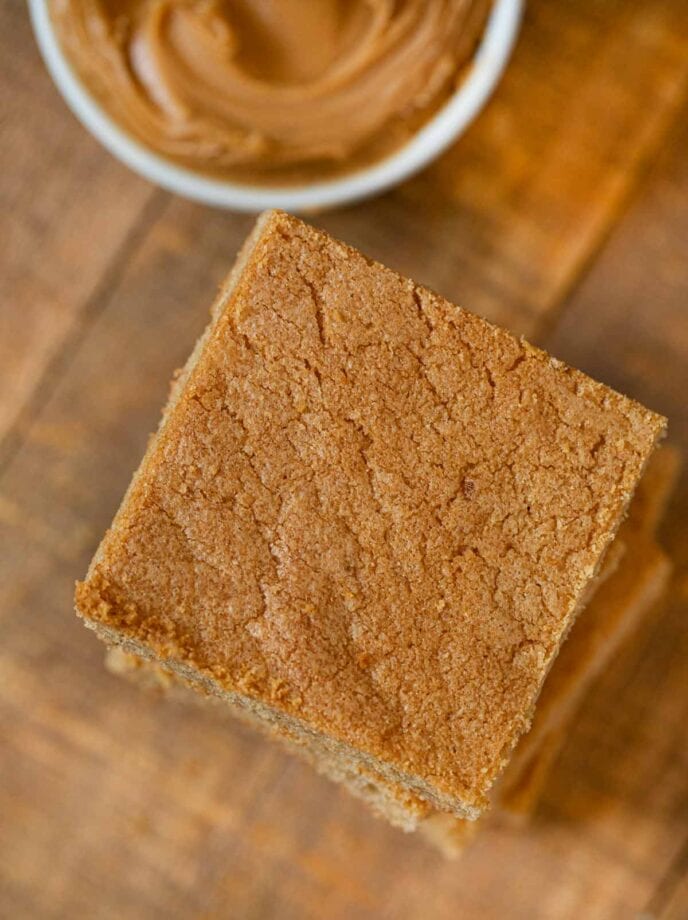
[271,90]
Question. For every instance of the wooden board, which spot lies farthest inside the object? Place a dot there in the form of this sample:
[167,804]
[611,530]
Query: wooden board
[564,213]
[58,191]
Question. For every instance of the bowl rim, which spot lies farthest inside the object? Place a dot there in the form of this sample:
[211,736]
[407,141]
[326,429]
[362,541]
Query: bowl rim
[427,143]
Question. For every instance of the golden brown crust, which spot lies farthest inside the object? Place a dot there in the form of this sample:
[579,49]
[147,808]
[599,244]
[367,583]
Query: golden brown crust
[372,511]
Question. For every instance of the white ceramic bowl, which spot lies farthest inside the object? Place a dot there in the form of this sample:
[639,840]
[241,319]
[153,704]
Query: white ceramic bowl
[434,137]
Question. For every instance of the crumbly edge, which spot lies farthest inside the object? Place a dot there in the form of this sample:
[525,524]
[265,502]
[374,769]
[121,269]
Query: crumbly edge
[282,723]
[401,809]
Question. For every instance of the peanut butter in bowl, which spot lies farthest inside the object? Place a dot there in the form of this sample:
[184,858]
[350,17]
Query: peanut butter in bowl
[271,92]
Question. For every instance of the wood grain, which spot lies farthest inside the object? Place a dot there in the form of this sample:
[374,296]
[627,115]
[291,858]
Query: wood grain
[116,804]
[66,216]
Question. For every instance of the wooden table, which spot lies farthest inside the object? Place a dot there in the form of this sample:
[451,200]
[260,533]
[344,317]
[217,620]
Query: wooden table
[563,213]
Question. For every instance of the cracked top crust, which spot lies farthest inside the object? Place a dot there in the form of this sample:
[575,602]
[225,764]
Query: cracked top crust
[370,509]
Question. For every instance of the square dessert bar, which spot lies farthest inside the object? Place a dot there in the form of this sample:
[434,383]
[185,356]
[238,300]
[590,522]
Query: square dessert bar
[368,517]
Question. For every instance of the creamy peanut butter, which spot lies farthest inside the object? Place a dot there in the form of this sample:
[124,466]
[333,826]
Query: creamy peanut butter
[271,90]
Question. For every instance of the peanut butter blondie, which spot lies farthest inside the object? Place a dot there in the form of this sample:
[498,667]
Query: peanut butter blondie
[368,517]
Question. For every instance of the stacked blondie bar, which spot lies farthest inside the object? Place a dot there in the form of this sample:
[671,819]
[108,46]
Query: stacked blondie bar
[369,521]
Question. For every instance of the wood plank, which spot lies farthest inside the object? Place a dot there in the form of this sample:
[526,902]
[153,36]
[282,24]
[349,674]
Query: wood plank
[670,899]
[118,804]
[66,211]
[677,906]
